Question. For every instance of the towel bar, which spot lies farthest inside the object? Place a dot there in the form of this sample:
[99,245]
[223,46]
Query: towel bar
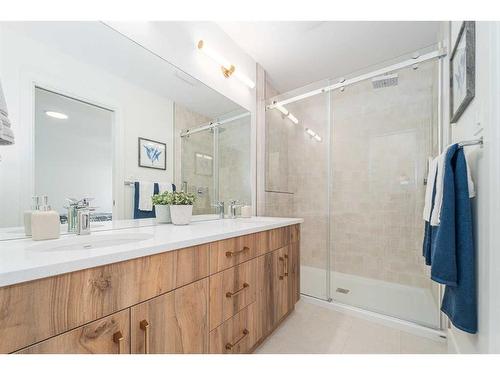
[473,142]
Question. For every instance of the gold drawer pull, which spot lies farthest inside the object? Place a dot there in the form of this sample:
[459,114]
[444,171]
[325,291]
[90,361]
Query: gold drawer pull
[232,294]
[282,259]
[144,325]
[229,254]
[230,346]
[286,265]
[118,338]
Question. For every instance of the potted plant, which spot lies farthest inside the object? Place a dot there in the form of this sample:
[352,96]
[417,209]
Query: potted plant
[181,207]
[162,207]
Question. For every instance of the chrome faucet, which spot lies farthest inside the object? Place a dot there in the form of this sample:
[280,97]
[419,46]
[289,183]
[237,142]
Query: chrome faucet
[233,205]
[79,215]
[220,206]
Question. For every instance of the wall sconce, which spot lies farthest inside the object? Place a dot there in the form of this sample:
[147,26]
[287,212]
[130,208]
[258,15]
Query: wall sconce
[227,68]
[287,113]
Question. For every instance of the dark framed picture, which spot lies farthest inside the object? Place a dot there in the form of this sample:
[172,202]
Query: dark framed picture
[152,154]
[463,70]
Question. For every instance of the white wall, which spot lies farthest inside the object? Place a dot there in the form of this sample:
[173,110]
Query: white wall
[73,156]
[24,62]
[481,118]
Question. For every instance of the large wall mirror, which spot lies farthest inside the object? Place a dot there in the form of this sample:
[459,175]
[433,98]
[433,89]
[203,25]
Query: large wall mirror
[87,103]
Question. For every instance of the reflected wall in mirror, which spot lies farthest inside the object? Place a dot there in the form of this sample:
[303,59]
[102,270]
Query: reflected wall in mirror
[73,153]
[114,91]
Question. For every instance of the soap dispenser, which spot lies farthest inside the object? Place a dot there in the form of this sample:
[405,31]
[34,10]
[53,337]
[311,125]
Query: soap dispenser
[45,222]
[27,215]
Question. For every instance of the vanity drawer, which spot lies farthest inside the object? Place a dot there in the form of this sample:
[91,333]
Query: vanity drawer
[228,253]
[294,233]
[34,311]
[110,335]
[232,290]
[237,335]
[278,238]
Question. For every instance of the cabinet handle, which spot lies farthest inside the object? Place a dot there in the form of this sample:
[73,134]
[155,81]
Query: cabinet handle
[286,265]
[230,346]
[229,254]
[118,338]
[282,276]
[144,325]
[231,294]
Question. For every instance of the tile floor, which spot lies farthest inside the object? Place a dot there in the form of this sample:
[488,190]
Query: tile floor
[315,329]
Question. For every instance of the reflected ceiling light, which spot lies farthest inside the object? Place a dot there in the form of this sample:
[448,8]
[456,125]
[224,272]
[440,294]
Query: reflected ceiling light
[286,113]
[57,115]
[313,134]
[227,68]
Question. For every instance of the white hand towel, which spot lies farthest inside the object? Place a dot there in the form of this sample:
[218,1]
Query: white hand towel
[431,181]
[146,191]
[470,183]
[165,186]
[438,200]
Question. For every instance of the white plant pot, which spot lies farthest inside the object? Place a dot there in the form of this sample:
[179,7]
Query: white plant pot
[181,214]
[162,214]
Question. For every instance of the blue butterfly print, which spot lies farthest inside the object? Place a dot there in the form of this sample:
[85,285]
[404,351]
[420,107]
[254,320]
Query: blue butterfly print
[153,153]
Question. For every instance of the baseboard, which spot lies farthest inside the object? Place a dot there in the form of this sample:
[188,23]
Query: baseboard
[452,343]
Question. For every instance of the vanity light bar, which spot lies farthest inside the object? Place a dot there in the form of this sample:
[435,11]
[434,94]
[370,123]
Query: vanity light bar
[227,68]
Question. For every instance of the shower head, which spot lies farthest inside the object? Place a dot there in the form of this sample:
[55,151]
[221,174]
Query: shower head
[384,81]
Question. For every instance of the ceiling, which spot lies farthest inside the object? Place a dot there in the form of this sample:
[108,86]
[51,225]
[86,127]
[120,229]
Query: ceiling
[297,53]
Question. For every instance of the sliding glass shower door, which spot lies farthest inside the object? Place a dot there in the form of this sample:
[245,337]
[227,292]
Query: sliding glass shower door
[384,130]
[352,162]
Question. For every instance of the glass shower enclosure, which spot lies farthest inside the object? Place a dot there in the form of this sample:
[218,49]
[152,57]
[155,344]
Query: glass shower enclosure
[353,164]
[215,162]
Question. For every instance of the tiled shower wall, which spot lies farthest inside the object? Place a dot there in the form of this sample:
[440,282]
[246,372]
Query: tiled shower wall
[185,158]
[234,160]
[380,140]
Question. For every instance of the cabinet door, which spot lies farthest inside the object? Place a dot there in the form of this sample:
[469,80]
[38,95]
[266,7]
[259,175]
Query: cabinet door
[109,335]
[293,274]
[176,322]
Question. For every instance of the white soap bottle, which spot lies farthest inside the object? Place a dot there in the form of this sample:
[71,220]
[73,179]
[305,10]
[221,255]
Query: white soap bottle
[27,215]
[45,224]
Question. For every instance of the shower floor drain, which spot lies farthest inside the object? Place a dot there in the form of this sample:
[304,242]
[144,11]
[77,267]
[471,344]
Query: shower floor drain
[342,290]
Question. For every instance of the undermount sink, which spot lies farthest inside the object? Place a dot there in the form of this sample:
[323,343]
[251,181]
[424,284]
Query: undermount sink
[88,242]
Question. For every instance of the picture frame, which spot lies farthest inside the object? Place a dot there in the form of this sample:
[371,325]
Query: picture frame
[463,70]
[152,154]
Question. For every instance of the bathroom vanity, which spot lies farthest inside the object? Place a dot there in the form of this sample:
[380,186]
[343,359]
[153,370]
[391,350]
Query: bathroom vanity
[210,287]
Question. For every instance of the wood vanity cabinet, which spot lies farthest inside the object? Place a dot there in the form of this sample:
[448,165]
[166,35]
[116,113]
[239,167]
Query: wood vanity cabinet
[110,335]
[175,322]
[221,297]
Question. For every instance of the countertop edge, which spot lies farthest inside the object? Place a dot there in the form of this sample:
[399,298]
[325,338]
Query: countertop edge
[45,271]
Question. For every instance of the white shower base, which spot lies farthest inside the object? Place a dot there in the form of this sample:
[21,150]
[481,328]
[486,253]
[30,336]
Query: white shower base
[412,304]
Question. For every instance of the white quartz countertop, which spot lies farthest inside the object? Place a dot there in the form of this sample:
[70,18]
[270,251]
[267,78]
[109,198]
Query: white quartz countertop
[25,260]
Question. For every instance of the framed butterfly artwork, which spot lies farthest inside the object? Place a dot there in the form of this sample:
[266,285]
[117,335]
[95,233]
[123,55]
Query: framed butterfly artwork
[463,70]
[152,154]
